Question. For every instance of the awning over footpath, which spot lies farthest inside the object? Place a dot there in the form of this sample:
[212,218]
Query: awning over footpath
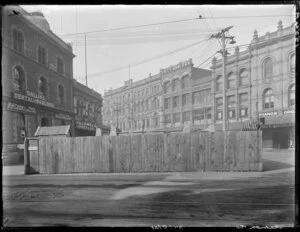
[279,121]
[53,131]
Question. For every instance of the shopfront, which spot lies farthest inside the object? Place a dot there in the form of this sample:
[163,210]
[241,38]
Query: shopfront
[278,129]
[83,128]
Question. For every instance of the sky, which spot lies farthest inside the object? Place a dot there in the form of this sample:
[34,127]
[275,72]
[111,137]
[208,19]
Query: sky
[139,51]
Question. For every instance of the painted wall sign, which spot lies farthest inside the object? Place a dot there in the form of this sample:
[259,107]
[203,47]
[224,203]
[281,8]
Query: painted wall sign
[268,114]
[63,116]
[16,107]
[85,125]
[289,111]
[36,99]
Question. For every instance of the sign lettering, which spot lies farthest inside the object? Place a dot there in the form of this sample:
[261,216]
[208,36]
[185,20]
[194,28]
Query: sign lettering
[63,116]
[16,107]
[289,112]
[268,113]
[85,125]
[33,98]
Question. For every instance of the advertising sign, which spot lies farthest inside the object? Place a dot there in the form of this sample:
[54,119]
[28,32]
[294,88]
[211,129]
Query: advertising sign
[63,116]
[33,98]
[85,125]
[16,107]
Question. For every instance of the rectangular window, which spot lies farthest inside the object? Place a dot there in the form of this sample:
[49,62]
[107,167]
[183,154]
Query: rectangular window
[186,116]
[231,104]
[243,103]
[167,118]
[184,82]
[197,115]
[219,115]
[167,103]
[156,122]
[185,99]
[175,102]
[176,117]
[219,102]
[208,113]
[244,112]
[196,97]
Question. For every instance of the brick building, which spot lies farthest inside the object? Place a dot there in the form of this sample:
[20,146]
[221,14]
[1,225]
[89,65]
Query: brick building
[177,95]
[260,86]
[37,77]
[87,108]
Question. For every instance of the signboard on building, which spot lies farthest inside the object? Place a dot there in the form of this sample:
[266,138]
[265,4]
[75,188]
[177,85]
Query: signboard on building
[63,116]
[33,98]
[19,108]
[85,125]
[289,111]
[268,114]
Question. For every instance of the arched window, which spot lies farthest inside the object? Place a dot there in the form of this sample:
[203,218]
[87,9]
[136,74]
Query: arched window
[44,122]
[219,82]
[43,86]
[175,85]
[268,99]
[230,80]
[243,77]
[268,68]
[61,95]
[291,97]
[18,41]
[19,79]
[292,64]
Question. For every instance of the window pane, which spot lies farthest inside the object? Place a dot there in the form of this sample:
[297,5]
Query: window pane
[268,68]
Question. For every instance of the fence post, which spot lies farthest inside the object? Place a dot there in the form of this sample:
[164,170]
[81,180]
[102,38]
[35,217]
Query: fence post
[26,158]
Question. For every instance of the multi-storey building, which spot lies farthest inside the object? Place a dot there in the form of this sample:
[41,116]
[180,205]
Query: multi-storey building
[37,76]
[260,86]
[87,109]
[177,95]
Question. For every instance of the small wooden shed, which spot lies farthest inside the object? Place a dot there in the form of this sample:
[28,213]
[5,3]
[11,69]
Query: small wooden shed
[53,131]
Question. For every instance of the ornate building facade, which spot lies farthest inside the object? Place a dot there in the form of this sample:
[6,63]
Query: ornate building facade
[177,96]
[260,86]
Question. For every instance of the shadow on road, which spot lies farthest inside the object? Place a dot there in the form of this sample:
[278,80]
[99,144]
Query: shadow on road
[270,165]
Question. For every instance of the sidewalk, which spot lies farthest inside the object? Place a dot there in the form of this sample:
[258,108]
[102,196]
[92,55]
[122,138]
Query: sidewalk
[13,170]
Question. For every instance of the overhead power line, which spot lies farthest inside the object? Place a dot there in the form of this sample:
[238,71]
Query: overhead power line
[174,21]
[145,61]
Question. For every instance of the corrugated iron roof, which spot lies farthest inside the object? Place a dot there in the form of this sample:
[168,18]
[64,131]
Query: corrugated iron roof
[52,130]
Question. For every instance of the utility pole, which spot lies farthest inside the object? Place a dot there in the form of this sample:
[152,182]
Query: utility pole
[86,83]
[223,40]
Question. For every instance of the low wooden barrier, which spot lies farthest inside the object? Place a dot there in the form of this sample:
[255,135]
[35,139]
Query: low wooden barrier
[174,152]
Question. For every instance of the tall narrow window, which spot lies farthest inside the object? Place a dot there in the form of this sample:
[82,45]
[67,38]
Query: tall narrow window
[268,99]
[268,68]
[185,99]
[176,102]
[18,41]
[60,65]
[175,85]
[243,80]
[184,81]
[43,86]
[176,117]
[42,55]
[61,95]
[291,95]
[243,102]
[231,106]
[231,80]
[19,79]
[219,105]
[292,64]
[186,116]
[219,83]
